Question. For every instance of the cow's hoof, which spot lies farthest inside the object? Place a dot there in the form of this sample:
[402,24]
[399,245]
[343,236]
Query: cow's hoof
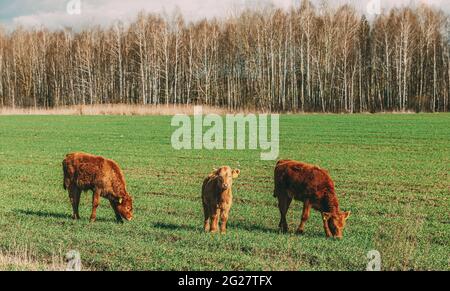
[75,217]
[92,220]
[119,221]
[300,232]
[283,230]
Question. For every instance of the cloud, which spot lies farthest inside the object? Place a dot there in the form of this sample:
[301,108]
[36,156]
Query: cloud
[53,13]
[103,12]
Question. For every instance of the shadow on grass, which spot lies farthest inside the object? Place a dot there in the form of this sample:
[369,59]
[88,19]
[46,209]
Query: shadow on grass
[171,226]
[43,214]
[47,214]
[232,225]
[272,230]
[251,227]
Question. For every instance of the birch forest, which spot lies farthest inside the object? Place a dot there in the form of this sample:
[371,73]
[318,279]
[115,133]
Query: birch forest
[307,59]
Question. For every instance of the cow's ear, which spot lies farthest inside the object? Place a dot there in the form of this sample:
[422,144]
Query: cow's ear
[347,214]
[326,216]
[236,173]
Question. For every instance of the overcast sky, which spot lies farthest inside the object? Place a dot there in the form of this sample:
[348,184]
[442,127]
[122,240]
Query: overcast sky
[55,13]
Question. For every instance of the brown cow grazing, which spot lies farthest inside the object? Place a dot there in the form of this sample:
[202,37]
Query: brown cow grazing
[217,198]
[314,187]
[83,172]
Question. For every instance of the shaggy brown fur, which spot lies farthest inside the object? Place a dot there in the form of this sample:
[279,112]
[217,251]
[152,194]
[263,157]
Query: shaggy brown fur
[217,198]
[315,188]
[83,172]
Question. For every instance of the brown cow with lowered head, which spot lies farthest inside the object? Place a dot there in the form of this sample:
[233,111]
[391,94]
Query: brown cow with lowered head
[315,188]
[217,198]
[83,172]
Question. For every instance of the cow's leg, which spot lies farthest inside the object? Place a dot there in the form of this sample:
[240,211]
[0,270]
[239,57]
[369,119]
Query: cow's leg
[224,219]
[305,216]
[95,203]
[326,227]
[116,212]
[215,220]
[284,201]
[206,225]
[74,195]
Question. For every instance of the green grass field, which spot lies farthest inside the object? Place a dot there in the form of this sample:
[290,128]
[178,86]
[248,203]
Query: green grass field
[391,171]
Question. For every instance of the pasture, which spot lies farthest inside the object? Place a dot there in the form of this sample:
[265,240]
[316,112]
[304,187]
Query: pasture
[391,171]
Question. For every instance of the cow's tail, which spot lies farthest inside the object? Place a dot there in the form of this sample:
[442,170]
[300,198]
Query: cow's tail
[278,176]
[277,189]
[277,185]
[66,181]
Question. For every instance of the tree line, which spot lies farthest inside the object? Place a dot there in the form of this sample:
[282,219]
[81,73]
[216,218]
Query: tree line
[307,59]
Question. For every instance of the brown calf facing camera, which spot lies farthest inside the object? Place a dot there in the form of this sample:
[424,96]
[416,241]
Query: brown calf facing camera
[217,198]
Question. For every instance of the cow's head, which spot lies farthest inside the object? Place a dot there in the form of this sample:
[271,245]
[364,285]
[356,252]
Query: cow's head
[225,176]
[336,222]
[125,207]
